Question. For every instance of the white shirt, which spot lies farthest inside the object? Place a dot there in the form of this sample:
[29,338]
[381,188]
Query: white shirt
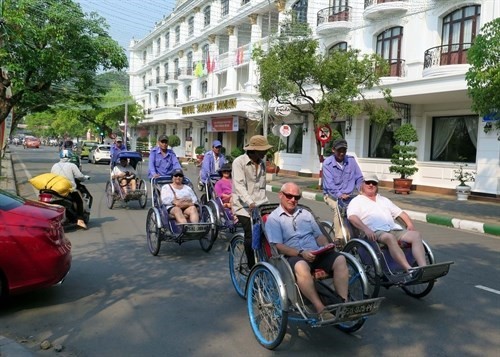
[68,170]
[167,195]
[378,215]
[118,169]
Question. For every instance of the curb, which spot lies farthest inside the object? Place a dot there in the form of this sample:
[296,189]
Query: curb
[10,347]
[478,227]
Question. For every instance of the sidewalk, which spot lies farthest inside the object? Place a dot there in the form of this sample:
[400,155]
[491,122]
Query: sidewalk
[472,215]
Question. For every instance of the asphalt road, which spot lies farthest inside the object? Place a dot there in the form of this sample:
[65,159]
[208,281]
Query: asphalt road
[120,300]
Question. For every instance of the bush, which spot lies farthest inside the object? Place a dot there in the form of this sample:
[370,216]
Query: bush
[199,150]
[404,155]
[174,140]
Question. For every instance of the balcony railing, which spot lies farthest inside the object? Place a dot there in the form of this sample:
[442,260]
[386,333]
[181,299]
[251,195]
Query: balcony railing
[334,14]
[374,2]
[445,55]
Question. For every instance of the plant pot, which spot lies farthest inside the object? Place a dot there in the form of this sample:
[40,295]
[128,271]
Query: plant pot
[463,192]
[272,169]
[402,186]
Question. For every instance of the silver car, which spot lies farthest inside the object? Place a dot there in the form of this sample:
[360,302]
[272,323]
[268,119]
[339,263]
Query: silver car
[100,153]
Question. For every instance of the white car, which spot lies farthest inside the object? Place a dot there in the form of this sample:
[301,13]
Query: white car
[100,153]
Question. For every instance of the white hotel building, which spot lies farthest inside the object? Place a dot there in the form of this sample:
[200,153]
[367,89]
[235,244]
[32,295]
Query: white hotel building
[194,77]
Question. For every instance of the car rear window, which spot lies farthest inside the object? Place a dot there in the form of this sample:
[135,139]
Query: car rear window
[9,201]
[105,148]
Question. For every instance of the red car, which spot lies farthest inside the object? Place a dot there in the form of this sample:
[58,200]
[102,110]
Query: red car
[31,142]
[34,252]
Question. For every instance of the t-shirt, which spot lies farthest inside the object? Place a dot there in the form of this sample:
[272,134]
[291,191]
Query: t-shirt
[223,186]
[378,215]
[118,169]
[167,195]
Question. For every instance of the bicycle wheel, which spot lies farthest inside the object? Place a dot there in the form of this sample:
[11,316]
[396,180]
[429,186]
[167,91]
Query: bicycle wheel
[207,241]
[365,255]
[328,229]
[356,293]
[110,196]
[238,265]
[267,315]
[153,232]
[143,199]
[421,290]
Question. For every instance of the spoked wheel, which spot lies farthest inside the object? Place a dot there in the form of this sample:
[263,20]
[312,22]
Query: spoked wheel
[153,232]
[420,290]
[143,199]
[366,257]
[356,293]
[208,240]
[266,312]
[203,199]
[110,196]
[238,265]
[215,211]
[328,230]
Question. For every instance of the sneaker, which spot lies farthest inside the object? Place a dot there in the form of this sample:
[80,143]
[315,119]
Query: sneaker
[81,224]
[326,315]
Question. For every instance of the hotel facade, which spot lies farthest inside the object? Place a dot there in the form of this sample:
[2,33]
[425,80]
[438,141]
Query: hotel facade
[194,77]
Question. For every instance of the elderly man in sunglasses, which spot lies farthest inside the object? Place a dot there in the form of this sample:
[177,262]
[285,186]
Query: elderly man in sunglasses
[295,233]
[375,215]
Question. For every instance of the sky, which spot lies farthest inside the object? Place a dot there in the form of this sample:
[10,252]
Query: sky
[129,18]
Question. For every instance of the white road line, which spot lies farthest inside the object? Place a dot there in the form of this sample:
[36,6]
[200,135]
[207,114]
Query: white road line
[26,172]
[488,289]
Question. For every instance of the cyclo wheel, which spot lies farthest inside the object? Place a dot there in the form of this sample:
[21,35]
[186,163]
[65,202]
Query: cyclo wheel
[153,232]
[365,255]
[421,290]
[328,230]
[357,292]
[268,317]
[143,199]
[208,241]
[110,196]
[238,265]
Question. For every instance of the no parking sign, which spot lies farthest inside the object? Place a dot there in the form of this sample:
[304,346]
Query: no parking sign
[324,134]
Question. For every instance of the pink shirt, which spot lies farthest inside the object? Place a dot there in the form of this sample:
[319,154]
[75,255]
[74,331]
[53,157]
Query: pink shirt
[223,186]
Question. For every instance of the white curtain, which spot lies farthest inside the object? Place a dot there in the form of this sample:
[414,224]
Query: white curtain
[471,125]
[296,129]
[377,132]
[445,128]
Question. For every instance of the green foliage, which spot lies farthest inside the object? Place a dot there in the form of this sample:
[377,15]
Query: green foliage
[52,51]
[199,150]
[404,155]
[463,176]
[276,142]
[234,154]
[483,76]
[173,140]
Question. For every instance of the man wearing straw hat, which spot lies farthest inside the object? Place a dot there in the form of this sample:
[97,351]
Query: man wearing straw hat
[249,186]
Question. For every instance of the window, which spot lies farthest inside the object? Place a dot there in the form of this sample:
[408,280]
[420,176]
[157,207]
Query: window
[243,2]
[176,96]
[158,46]
[165,69]
[191,26]
[206,16]
[187,134]
[204,89]
[188,92]
[177,34]
[382,139]
[176,68]
[144,84]
[338,128]
[459,30]
[294,140]
[167,40]
[300,9]
[158,74]
[165,98]
[157,99]
[454,138]
[204,55]
[339,46]
[190,66]
[389,48]
[224,5]
[144,57]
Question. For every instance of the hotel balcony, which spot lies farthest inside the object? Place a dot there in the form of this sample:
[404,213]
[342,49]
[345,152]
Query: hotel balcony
[172,78]
[332,18]
[186,74]
[446,59]
[377,9]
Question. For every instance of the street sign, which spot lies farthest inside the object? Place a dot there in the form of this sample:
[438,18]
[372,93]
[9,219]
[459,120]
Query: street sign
[324,133]
[285,130]
[283,110]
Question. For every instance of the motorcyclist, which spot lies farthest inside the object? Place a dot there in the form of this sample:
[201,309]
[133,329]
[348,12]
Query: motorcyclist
[69,170]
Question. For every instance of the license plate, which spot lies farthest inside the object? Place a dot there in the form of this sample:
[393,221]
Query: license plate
[361,309]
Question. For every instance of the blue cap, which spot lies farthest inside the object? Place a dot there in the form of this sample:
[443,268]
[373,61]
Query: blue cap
[216,143]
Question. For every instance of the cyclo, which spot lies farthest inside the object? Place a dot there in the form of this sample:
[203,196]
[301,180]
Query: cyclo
[161,226]
[380,268]
[114,189]
[273,296]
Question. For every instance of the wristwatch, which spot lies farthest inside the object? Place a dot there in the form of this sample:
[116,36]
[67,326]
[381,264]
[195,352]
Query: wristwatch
[300,253]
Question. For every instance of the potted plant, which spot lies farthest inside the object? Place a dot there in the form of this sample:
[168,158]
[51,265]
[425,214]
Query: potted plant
[274,140]
[463,190]
[404,157]
[199,151]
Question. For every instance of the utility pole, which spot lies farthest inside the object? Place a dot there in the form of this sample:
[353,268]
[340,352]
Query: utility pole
[126,124]
[265,119]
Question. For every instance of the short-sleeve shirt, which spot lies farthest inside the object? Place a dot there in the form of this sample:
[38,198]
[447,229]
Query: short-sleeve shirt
[223,186]
[298,231]
[167,195]
[160,164]
[119,169]
[378,215]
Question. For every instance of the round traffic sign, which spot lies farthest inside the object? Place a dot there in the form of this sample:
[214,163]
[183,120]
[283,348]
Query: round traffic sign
[324,133]
[285,130]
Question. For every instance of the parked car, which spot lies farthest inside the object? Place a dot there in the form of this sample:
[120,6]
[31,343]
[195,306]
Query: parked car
[31,142]
[34,252]
[85,147]
[100,153]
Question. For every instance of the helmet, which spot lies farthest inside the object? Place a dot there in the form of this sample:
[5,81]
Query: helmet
[65,154]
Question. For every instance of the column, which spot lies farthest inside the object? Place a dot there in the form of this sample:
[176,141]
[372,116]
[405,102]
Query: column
[212,79]
[255,38]
[232,32]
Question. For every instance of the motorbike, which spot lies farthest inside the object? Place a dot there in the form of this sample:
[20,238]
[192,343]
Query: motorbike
[52,197]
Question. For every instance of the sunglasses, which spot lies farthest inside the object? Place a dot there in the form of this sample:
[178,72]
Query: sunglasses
[289,196]
[373,183]
[218,147]
[178,175]
[164,142]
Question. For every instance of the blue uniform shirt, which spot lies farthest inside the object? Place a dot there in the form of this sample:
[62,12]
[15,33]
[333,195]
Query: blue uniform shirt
[340,179]
[162,165]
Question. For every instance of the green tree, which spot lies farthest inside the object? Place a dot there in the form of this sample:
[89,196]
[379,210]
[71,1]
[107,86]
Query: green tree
[52,51]
[293,72]
[483,76]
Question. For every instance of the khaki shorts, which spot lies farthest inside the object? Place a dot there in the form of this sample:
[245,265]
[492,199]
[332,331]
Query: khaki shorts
[398,233]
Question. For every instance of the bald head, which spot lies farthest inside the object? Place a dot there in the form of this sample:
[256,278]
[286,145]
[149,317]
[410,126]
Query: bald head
[291,187]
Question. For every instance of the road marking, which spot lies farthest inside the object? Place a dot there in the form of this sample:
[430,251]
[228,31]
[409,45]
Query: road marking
[488,289]
[26,172]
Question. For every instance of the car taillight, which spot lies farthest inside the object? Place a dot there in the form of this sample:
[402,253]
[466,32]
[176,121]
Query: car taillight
[46,197]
